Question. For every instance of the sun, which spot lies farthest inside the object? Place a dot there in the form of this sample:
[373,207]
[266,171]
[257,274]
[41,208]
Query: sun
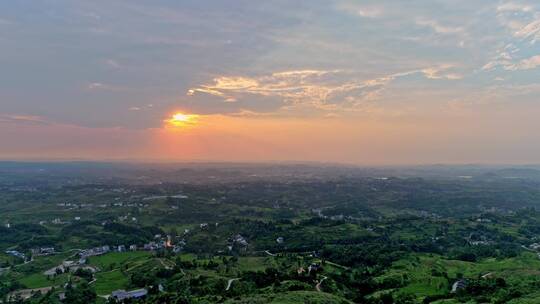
[181,119]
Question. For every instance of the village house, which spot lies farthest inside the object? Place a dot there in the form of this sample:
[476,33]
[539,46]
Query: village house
[459,285]
[16,253]
[313,267]
[43,251]
[153,246]
[95,251]
[121,295]
[239,239]
[535,246]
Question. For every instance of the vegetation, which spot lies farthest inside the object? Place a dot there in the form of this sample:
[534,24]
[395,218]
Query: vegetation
[311,236]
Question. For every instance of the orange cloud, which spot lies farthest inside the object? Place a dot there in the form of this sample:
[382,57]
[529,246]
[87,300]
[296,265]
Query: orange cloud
[327,90]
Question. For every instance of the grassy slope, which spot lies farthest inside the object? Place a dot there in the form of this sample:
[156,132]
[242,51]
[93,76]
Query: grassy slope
[292,297]
[423,282]
[106,282]
[115,259]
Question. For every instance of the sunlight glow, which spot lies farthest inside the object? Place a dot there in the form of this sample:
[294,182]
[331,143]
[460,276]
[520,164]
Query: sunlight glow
[182,120]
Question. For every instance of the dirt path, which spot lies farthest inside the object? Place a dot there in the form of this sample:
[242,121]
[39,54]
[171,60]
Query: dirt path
[229,283]
[269,253]
[318,286]
[27,293]
[337,265]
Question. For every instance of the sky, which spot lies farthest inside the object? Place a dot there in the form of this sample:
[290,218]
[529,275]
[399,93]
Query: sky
[360,82]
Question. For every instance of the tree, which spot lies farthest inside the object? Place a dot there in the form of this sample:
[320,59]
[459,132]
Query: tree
[80,294]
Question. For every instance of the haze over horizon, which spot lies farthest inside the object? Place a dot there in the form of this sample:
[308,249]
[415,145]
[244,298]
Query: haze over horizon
[359,82]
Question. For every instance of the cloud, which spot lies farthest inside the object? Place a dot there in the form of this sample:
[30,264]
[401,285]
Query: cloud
[141,107]
[530,30]
[339,55]
[112,63]
[439,28]
[441,72]
[498,94]
[365,11]
[5,22]
[514,7]
[316,88]
[507,59]
[249,113]
[327,90]
[521,19]
[522,22]
[526,64]
[95,85]
[370,12]
[23,119]
[98,86]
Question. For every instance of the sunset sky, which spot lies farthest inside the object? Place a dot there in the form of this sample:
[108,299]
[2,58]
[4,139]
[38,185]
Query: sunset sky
[364,82]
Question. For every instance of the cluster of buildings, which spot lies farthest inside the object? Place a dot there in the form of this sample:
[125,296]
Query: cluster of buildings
[71,206]
[95,251]
[74,205]
[70,266]
[16,253]
[105,249]
[159,243]
[483,220]
[240,240]
[338,217]
[151,246]
[121,204]
[57,221]
[476,240]
[312,267]
[535,246]
[125,218]
[43,251]
[154,197]
[162,243]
